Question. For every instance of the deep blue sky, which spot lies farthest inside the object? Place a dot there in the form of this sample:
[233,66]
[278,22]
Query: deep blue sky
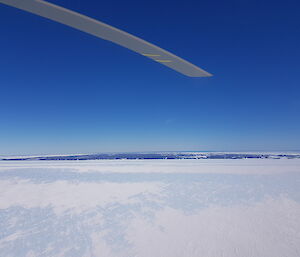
[63,91]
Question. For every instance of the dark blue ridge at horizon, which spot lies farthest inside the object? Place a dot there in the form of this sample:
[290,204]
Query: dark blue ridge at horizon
[156,156]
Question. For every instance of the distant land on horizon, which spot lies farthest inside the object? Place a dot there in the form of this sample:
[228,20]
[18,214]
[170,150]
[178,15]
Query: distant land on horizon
[159,155]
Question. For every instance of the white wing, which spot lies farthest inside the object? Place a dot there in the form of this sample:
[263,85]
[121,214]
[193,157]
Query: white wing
[107,32]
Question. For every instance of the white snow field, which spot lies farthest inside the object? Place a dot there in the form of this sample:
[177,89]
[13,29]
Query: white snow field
[150,208]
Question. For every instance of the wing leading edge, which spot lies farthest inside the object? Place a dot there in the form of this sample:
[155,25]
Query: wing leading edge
[107,32]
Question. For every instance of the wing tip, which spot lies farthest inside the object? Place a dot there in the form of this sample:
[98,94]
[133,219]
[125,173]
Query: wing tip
[202,74]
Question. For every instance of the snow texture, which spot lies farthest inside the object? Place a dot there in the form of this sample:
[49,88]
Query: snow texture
[146,208]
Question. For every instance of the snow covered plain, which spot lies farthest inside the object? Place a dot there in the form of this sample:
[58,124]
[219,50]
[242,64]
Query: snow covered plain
[146,208]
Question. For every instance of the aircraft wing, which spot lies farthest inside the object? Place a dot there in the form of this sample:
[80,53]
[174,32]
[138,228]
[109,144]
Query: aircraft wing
[107,32]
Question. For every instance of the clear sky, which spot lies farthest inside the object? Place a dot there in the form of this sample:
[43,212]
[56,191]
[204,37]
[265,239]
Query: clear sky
[63,91]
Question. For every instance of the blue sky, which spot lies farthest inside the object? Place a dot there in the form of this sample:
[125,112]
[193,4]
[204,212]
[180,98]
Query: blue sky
[63,91]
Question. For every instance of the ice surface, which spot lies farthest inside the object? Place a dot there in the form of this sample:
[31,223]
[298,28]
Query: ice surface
[143,208]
